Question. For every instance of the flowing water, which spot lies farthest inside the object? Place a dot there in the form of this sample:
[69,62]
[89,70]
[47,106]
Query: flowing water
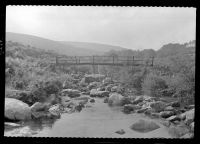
[99,120]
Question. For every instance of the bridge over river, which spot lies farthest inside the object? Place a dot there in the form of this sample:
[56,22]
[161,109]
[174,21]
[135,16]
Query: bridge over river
[102,60]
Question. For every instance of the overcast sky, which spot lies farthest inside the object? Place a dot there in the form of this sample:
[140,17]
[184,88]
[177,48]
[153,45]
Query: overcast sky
[129,27]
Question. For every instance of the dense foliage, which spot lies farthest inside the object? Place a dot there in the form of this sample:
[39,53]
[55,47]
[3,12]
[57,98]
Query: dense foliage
[173,75]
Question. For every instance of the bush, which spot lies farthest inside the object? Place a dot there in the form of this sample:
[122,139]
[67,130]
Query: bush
[153,85]
[42,89]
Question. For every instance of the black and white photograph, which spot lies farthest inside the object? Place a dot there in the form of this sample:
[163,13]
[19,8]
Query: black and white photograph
[100,72]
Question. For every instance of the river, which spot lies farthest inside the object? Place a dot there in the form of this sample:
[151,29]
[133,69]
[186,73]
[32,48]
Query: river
[98,120]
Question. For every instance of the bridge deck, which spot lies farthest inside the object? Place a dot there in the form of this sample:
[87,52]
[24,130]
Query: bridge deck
[102,60]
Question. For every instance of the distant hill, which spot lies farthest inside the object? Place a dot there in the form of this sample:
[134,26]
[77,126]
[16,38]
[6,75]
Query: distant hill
[93,46]
[62,47]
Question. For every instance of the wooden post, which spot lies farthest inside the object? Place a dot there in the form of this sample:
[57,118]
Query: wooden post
[93,68]
[152,61]
[56,60]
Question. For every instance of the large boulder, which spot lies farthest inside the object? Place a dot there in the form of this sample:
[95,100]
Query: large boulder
[178,131]
[169,108]
[192,126]
[95,93]
[93,78]
[107,80]
[24,96]
[39,107]
[173,118]
[115,99]
[158,106]
[55,110]
[128,108]
[175,104]
[144,126]
[138,99]
[93,85]
[166,114]
[189,116]
[142,110]
[118,89]
[16,110]
[71,93]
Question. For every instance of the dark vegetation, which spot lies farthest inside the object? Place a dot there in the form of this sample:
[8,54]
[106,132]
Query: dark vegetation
[173,75]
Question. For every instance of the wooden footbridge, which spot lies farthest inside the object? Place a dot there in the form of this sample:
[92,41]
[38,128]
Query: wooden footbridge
[103,60]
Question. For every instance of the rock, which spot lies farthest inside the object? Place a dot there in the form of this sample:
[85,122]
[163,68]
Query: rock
[101,89]
[138,99]
[85,93]
[11,125]
[71,93]
[92,100]
[105,100]
[182,116]
[144,126]
[192,126]
[39,115]
[23,132]
[149,99]
[155,115]
[142,110]
[95,93]
[79,107]
[166,114]
[165,123]
[107,80]
[39,107]
[93,78]
[191,106]
[173,118]
[118,89]
[114,89]
[121,132]
[188,135]
[85,98]
[169,108]
[175,104]
[148,111]
[128,108]
[16,110]
[93,85]
[83,83]
[158,106]
[108,87]
[55,110]
[176,122]
[115,99]
[189,116]
[178,131]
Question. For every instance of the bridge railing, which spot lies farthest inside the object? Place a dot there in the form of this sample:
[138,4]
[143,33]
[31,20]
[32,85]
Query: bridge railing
[112,60]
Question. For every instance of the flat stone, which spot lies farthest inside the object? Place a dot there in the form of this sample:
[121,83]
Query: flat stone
[144,126]
[121,132]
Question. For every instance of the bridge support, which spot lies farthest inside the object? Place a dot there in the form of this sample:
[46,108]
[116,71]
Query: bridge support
[95,69]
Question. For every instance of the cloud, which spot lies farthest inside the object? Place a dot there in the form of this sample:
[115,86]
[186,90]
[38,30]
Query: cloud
[131,27]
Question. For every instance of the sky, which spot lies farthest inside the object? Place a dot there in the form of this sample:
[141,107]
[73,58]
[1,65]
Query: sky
[129,27]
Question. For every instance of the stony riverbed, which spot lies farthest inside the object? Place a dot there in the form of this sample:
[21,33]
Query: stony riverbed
[101,109]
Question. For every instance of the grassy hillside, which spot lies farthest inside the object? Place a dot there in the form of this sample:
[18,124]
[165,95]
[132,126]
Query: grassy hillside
[67,48]
[93,46]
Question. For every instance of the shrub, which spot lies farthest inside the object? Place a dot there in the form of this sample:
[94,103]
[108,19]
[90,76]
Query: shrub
[42,89]
[153,85]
